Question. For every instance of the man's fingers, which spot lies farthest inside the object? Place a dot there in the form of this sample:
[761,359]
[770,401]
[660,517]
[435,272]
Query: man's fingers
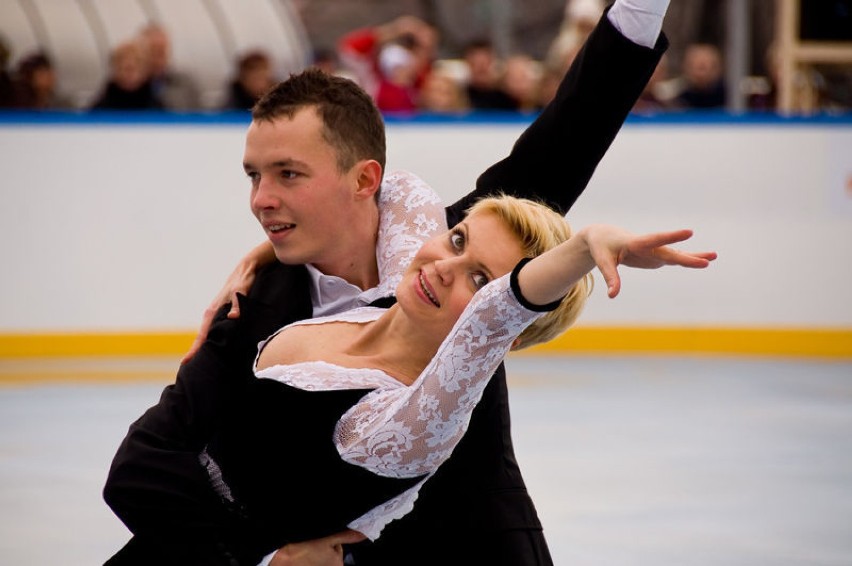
[235,307]
[206,321]
[196,344]
[347,537]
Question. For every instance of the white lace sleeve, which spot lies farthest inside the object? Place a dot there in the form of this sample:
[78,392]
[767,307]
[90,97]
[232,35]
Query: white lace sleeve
[410,213]
[410,431]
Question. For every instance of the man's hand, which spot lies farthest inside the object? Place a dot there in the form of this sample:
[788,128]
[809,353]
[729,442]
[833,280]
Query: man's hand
[240,281]
[326,551]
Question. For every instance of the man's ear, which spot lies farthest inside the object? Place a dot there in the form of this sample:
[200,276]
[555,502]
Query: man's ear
[515,343]
[369,178]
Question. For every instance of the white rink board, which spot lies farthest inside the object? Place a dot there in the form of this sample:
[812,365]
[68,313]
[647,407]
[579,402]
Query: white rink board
[134,227]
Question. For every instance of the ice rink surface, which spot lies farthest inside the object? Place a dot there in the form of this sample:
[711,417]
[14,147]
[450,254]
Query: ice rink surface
[632,461]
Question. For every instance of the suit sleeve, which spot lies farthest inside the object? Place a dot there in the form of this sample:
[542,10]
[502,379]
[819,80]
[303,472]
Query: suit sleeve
[156,484]
[554,158]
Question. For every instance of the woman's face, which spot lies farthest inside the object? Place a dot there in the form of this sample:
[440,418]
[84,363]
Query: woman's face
[451,267]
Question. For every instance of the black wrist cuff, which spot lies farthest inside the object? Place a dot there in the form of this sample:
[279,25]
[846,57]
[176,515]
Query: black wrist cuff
[516,289]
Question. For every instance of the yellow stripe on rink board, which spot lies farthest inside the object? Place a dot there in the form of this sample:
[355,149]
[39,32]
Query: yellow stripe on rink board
[94,369]
[64,345]
[796,342]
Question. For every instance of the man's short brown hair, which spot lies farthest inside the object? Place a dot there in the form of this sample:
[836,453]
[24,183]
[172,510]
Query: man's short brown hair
[352,123]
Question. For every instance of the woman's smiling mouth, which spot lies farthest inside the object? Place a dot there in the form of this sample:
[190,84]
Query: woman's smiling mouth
[427,290]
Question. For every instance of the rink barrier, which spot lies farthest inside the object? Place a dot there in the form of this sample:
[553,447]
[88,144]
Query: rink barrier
[826,337]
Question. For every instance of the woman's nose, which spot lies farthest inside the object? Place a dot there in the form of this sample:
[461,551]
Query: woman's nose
[445,268]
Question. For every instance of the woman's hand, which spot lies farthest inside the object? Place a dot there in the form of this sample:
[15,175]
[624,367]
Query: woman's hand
[550,276]
[611,246]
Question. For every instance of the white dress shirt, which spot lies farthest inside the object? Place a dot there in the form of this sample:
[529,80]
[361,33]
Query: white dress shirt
[332,295]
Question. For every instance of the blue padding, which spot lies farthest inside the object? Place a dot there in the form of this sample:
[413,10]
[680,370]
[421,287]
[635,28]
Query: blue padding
[242,118]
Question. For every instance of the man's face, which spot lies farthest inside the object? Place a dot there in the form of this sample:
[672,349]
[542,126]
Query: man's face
[298,195]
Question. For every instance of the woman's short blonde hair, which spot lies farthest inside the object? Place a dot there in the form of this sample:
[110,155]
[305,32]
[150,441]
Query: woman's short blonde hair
[539,228]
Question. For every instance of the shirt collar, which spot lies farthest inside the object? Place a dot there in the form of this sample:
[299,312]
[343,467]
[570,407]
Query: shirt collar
[331,294]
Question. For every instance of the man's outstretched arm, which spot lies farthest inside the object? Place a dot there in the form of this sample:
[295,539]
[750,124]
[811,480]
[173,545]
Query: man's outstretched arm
[555,157]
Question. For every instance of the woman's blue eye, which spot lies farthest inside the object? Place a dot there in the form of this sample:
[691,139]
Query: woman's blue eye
[457,240]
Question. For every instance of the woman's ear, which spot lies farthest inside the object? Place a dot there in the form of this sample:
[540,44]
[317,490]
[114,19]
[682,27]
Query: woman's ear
[369,178]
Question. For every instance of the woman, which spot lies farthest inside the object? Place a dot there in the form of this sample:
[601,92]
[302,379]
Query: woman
[390,391]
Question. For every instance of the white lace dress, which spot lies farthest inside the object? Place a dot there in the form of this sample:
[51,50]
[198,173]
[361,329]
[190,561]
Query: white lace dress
[399,430]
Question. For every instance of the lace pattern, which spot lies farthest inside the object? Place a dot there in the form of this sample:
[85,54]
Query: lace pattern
[410,213]
[409,431]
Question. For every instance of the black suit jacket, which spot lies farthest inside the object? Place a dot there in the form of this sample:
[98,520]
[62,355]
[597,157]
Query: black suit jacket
[476,509]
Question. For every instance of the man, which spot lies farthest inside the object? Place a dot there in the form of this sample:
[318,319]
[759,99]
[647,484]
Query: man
[306,175]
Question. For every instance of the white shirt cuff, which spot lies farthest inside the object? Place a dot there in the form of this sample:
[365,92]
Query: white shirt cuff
[267,559]
[640,21]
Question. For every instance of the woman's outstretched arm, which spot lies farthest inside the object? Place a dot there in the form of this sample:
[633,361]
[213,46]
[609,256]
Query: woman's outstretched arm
[550,276]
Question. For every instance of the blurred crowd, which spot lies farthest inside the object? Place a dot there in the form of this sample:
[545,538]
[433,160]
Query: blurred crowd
[396,62]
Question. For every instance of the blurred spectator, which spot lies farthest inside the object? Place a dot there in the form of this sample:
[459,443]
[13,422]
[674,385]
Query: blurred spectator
[128,86]
[177,90]
[483,84]
[548,85]
[443,93]
[658,93]
[326,60]
[7,86]
[397,89]
[521,81]
[808,87]
[702,78]
[553,71]
[253,78]
[391,61]
[35,83]
[581,17]
[834,83]
[762,91]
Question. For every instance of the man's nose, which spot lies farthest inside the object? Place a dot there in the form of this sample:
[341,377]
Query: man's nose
[264,195]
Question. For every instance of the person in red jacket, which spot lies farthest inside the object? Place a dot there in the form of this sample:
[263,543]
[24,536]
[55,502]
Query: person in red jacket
[391,61]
